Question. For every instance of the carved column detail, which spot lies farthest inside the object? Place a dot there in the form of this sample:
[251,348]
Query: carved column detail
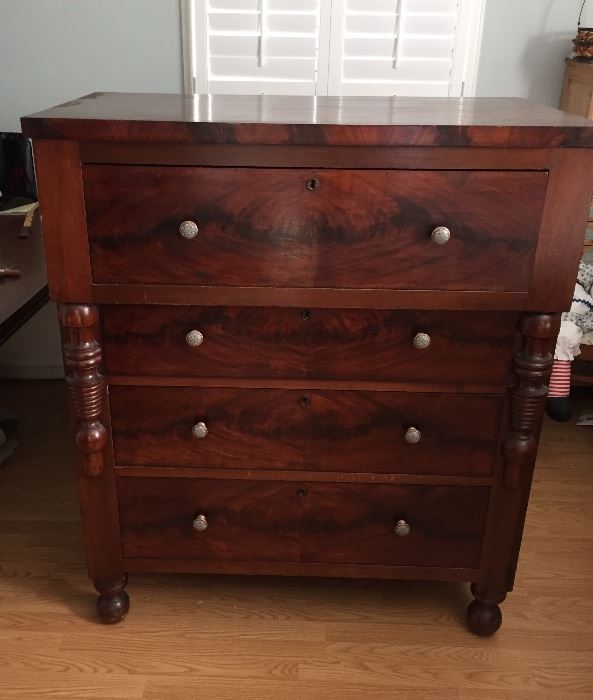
[532,364]
[82,363]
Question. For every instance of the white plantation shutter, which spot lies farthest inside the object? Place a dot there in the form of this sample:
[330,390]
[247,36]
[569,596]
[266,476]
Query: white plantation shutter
[399,47]
[335,47]
[259,46]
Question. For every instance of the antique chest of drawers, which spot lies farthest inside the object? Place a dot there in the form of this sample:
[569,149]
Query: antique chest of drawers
[309,336]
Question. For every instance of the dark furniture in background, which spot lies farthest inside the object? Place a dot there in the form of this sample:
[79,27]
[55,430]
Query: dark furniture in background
[309,336]
[21,247]
[23,296]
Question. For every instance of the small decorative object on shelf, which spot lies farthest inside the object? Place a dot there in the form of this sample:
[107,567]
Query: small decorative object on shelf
[583,41]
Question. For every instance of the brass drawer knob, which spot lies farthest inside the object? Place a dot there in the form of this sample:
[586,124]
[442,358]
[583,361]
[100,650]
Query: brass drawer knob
[188,229]
[412,435]
[200,523]
[421,341]
[402,529]
[441,235]
[199,430]
[194,338]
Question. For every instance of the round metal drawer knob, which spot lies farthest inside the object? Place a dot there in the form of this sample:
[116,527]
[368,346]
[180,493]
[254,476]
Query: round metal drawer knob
[441,235]
[421,341]
[194,338]
[200,523]
[412,435]
[188,229]
[199,430]
[402,529]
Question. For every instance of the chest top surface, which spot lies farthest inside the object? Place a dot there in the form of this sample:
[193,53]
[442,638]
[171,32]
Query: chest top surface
[303,120]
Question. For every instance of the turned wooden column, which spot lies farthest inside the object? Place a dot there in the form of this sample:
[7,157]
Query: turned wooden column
[82,363]
[532,364]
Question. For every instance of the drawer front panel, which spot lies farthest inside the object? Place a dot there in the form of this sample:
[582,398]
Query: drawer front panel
[345,344]
[357,228]
[345,431]
[307,522]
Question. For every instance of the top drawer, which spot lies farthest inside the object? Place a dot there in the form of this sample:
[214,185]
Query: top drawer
[305,228]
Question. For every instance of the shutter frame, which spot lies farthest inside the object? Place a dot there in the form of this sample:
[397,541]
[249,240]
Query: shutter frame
[347,62]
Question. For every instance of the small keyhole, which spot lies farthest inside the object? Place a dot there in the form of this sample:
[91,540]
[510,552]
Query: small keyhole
[305,314]
[312,184]
[301,493]
[304,401]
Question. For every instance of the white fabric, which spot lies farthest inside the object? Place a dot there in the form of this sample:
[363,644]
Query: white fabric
[569,339]
[578,322]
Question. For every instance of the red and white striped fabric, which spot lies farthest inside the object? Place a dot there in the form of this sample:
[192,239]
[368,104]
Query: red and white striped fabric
[560,379]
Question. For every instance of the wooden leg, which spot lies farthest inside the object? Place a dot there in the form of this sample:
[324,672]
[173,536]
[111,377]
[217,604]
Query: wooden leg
[483,614]
[113,602]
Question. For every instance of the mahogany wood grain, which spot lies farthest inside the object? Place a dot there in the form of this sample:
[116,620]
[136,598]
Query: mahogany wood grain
[82,364]
[59,184]
[560,242]
[341,344]
[302,297]
[302,521]
[306,426]
[283,568]
[374,157]
[502,540]
[287,475]
[301,120]
[304,384]
[96,488]
[352,431]
[359,228]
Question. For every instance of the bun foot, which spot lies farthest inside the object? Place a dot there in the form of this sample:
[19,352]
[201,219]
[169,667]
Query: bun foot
[113,603]
[483,618]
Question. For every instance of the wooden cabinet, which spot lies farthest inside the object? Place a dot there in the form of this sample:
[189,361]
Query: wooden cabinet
[577,91]
[309,336]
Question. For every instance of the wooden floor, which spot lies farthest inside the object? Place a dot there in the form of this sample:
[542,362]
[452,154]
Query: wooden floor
[193,637]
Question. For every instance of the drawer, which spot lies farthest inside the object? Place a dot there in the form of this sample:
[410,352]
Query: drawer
[302,522]
[344,431]
[346,344]
[356,229]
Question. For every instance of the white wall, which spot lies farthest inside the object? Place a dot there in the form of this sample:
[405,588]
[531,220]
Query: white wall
[52,51]
[524,45]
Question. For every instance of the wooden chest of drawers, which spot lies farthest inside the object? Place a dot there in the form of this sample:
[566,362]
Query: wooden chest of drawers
[309,336]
